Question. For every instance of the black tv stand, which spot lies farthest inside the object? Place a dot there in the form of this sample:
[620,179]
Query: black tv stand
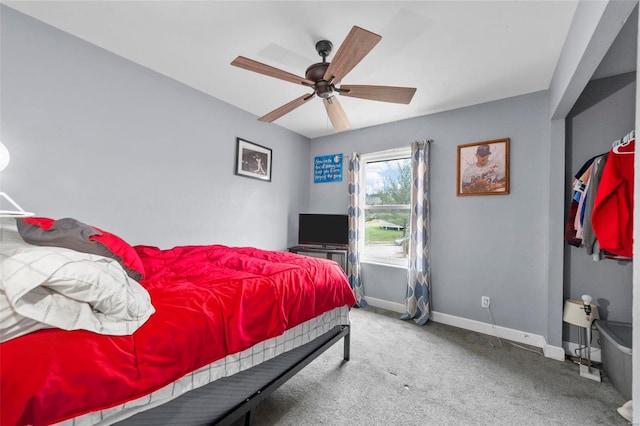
[335,253]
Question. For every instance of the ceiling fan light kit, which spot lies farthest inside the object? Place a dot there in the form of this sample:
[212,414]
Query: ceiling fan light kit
[323,76]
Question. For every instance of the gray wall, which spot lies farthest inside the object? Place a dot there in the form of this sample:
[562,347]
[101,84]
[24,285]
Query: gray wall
[111,143]
[604,112]
[481,246]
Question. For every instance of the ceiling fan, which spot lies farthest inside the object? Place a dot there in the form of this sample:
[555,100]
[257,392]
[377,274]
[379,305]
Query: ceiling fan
[325,78]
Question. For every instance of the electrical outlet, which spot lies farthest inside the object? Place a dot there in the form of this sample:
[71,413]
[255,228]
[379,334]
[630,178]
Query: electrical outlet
[485,301]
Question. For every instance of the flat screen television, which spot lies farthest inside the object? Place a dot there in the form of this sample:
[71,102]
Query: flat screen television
[323,229]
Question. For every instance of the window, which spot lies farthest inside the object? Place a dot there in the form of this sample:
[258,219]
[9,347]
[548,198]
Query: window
[386,179]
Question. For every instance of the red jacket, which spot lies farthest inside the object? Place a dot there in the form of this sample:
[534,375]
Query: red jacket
[612,217]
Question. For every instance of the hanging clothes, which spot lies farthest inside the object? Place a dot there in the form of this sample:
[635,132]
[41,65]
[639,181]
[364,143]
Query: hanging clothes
[612,216]
[579,186]
[580,196]
[588,236]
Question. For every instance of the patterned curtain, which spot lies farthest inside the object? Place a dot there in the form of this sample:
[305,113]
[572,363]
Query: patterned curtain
[355,213]
[417,303]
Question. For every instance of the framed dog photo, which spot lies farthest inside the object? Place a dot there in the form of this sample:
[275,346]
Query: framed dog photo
[253,160]
[483,168]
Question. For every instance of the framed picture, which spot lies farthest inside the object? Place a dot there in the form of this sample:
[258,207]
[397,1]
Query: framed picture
[253,160]
[483,168]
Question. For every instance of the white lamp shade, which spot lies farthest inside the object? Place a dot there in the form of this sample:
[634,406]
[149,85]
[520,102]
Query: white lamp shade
[4,157]
[574,313]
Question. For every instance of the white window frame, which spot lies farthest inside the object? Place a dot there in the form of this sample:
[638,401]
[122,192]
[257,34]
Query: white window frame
[390,154]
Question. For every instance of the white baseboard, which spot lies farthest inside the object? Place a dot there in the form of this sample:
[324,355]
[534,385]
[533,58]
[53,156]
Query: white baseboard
[553,352]
[517,336]
[385,304]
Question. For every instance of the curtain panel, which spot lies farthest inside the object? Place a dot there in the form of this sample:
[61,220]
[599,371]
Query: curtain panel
[355,213]
[418,301]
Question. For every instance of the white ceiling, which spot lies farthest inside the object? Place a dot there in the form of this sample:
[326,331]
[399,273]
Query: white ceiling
[456,53]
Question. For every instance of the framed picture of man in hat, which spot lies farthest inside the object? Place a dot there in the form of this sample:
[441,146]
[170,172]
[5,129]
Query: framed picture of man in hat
[483,168]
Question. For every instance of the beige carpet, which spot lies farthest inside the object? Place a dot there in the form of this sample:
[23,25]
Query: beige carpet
[404,374]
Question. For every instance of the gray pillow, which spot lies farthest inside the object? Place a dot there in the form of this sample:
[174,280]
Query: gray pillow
[75,235]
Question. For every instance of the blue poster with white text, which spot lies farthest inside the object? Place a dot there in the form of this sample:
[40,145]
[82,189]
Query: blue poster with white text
[327,168]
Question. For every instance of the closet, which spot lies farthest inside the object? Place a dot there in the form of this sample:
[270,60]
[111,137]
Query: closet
[603,114]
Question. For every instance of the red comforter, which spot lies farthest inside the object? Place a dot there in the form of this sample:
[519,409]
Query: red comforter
[210,301]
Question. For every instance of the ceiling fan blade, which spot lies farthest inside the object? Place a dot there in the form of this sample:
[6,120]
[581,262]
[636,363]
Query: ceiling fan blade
[398,95]
[259,67]
[353,49]
[284,109]
[336,114]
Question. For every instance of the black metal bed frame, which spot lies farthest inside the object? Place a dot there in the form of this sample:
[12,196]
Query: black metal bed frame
[227,401]
[247,408]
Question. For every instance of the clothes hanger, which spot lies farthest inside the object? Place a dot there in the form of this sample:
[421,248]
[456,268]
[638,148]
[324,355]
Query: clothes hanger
[621,143]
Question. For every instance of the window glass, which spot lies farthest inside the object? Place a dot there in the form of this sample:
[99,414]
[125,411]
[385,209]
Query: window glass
[387,198]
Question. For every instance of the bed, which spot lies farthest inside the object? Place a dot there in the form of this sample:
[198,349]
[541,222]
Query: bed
[97,332]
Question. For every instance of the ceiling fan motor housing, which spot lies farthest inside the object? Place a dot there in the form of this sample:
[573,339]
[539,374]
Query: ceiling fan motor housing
[316,71]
